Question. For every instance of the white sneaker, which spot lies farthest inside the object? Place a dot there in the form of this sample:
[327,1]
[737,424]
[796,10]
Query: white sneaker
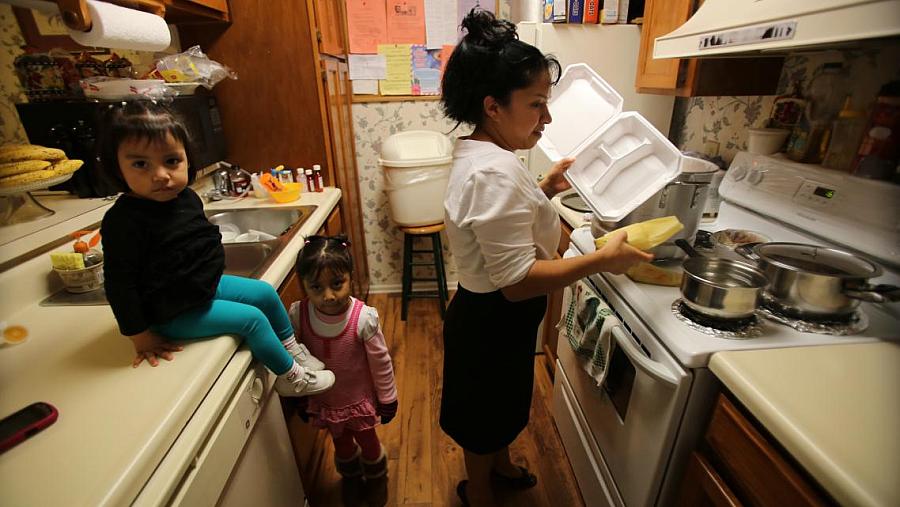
[304,383]
[305,359]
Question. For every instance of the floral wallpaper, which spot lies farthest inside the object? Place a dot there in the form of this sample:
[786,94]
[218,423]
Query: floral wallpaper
[372,123]
[718,125]
[11,90]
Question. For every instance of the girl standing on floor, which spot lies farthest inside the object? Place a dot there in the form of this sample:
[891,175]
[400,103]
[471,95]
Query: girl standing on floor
[503,232]
[345,333]
[164,261]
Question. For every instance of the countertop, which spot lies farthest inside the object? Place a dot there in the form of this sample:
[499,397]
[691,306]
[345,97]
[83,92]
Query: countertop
[115,423]
[834,408]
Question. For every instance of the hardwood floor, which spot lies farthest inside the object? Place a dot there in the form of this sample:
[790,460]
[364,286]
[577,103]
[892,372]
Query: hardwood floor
[424,464]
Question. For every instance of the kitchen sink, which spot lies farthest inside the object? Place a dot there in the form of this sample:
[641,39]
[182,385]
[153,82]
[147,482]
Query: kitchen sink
[248,258]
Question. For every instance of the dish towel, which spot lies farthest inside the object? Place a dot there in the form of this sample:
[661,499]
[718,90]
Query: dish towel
[587,326]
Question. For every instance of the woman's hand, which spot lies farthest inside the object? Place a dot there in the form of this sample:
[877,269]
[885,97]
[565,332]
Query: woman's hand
[555,181]
[617,255]
[151,346]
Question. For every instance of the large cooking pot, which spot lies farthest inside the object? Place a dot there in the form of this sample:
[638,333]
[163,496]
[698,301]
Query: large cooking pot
[810,281]
[683,197]
[720,288]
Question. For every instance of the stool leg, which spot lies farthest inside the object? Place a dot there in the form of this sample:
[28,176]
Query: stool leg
[439,271]
[407,275]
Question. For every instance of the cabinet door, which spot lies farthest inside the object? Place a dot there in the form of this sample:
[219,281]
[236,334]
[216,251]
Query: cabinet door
[702,486]
[339,107]
[660,18]
[334,225]
[290,290]
[330,27]
[758,471]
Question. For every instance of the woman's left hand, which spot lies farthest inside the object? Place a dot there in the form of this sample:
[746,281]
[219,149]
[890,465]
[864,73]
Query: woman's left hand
[555,181]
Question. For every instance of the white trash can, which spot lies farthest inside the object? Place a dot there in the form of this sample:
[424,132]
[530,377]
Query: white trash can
[416,167]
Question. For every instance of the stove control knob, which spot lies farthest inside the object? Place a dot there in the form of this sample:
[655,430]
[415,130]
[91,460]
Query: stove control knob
[738,173]
[756,176]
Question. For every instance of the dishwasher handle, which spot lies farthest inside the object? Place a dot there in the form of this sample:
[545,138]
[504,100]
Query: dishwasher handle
[656,370]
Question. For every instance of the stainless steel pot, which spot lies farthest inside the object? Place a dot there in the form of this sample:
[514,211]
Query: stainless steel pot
[684,197]
[720,288]
[811,281]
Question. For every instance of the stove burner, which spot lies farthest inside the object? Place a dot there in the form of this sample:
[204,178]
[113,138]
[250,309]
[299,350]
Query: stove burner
[734,329]
[853,323]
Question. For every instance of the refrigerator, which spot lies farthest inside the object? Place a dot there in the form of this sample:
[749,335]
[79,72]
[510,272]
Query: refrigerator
[612,51]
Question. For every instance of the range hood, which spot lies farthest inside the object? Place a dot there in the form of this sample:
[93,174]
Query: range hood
[741,27]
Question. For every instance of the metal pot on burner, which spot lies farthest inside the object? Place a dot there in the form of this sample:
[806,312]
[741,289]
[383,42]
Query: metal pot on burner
[684,197]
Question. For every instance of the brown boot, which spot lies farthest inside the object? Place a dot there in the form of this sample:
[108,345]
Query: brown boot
[375,473]
[351,471]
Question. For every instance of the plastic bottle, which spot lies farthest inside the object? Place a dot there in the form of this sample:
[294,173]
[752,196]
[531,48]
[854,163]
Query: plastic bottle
[846,133]
[879,151]
[825,95]
[300,177]
[240,181]
[258,189]
[310,181]
[320,180]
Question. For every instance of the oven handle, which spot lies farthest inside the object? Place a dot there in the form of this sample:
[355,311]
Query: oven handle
[648,366]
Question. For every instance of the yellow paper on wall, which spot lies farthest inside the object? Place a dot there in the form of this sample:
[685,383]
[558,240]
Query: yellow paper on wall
[399,69]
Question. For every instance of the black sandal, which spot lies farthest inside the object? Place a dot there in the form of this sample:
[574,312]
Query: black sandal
[461,492]
[525,481]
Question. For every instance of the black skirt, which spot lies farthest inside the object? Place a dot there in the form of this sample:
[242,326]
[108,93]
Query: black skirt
[489,345]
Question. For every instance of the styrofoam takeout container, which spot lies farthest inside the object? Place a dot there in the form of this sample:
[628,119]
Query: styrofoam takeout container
[621,159]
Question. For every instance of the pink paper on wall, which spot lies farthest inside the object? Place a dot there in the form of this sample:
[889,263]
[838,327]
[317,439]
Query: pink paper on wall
[406,21]
[366,25]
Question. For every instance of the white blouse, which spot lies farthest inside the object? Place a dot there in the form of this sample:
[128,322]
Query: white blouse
[498,220]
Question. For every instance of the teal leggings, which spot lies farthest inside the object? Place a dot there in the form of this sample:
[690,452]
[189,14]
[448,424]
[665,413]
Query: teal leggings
[241,306]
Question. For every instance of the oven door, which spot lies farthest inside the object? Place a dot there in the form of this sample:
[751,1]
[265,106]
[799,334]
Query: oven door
[634,414]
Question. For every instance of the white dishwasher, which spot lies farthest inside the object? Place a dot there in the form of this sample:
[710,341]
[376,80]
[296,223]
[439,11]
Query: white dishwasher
[235,451]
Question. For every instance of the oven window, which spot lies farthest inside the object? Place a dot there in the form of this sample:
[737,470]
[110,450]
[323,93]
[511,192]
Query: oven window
[619,381]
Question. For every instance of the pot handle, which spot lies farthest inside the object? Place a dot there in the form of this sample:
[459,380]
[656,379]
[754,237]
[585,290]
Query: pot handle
[688,249]
[874,293]
[746,251]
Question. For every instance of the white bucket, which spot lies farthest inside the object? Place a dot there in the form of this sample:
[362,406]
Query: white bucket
[416,167]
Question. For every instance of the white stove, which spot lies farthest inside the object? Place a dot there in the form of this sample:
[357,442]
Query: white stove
[629,438]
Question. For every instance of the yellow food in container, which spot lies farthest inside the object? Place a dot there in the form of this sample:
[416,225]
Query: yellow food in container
[290,193]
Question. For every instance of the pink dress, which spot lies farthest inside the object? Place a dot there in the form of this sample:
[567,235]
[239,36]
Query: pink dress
[351,403]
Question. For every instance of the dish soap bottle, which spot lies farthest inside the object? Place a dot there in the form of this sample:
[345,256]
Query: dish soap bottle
[846,133]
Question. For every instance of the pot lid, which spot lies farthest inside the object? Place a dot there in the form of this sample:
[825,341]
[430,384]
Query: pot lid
[621,160]
[817,260]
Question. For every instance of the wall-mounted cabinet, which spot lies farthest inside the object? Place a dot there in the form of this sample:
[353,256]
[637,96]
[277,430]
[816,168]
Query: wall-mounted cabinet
[689,77]
[182,12]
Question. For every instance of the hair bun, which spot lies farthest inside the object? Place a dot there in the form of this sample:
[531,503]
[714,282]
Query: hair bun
[484,29]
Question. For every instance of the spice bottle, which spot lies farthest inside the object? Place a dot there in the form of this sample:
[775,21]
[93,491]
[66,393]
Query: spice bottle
[310,181]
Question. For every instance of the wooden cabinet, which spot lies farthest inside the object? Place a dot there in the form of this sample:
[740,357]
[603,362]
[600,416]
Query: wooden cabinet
[739,464]
[291,102]
[695,77]
[329,29]
[550,336]
[196,11]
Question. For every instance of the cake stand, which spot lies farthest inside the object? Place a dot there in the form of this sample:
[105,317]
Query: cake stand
[17,205]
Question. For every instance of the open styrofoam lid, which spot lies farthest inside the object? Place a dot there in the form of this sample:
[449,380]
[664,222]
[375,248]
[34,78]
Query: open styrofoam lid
[413,148]
[621,159]
[581,102]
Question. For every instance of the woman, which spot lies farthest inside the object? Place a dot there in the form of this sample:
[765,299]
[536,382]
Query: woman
[503,232]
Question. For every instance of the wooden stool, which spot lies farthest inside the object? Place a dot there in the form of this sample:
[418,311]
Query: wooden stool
[409,235]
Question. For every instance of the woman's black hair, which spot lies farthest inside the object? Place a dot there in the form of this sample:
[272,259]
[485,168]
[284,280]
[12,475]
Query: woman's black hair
[489,61]
[139,119]
[322,253]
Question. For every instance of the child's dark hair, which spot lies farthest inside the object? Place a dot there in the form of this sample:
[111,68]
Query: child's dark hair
[322,253]
[489,61]
[139,119]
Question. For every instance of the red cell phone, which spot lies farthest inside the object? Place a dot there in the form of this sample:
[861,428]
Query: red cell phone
[26,422]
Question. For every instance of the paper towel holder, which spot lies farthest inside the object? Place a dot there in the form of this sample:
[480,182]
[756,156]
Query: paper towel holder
[76,16]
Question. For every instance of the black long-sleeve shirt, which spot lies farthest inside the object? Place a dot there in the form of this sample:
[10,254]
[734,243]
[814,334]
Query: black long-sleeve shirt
[159,259]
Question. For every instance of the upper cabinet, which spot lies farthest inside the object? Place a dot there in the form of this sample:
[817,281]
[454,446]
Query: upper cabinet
[196,11]
[329,17]
[695,77]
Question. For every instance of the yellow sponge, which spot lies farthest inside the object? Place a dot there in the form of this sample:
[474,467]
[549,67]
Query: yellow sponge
[66,261]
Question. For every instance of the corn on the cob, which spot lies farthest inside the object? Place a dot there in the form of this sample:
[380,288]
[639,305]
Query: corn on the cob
[60,168]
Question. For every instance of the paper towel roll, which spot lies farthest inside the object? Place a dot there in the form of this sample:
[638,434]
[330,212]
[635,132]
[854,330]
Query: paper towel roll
[119,27]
